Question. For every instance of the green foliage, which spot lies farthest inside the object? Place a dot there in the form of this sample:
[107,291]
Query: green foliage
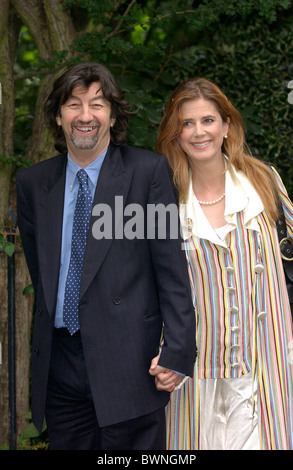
[28,290]
[7,247]
[18,162]
[30,431]
[27,58]
[31,439]
[151,46]
[252,63]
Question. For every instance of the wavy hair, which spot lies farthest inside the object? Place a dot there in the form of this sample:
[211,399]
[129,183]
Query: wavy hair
[84,74]
[234,146]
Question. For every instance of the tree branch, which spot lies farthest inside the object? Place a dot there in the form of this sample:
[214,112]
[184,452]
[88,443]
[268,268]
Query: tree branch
[37,73]
[117,29]
[164,65]
[161,17]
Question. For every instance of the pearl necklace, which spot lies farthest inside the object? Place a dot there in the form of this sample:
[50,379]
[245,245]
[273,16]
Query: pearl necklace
[210,203]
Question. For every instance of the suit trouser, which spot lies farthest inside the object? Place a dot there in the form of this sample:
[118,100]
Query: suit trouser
[70,414]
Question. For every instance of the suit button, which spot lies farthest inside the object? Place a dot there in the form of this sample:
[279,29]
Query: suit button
[36,351]
[40,311]
[117,301]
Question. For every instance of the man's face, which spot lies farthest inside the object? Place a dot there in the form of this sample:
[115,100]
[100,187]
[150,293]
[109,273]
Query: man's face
[86,121]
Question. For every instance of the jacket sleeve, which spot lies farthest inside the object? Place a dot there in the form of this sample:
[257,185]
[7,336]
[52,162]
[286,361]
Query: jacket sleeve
[286,203]
[170,265]
[26,226]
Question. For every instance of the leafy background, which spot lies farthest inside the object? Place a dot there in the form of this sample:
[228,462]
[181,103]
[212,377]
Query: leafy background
[245,47]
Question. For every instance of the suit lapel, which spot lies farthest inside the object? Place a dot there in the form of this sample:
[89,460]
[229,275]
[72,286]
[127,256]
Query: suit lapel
[114,180]
[50,203]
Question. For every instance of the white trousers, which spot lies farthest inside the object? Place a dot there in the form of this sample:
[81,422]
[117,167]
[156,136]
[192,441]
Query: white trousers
[227,421]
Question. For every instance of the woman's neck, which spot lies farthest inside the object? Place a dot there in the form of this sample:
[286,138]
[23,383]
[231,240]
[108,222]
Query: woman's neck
[208,179]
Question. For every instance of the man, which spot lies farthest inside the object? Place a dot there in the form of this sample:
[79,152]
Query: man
[102,301]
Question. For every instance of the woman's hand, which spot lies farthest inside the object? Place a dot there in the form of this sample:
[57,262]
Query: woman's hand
[165,379]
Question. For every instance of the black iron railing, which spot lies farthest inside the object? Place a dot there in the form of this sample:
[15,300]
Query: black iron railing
[10,234]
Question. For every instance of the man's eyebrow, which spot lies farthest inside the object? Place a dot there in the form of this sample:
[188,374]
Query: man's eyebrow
[100,98]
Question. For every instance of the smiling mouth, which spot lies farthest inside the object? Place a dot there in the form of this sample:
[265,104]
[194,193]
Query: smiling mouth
[200,145]
[85,129]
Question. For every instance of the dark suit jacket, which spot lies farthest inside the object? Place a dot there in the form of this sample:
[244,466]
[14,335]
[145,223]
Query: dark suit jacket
[129,288]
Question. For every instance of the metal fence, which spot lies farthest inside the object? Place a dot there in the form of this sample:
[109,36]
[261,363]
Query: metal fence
[10,233]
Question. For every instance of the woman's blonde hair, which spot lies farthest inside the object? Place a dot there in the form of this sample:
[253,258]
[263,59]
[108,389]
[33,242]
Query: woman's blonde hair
[234,146]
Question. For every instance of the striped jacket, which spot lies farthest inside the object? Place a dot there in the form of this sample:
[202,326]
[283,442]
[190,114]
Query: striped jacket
[242,310]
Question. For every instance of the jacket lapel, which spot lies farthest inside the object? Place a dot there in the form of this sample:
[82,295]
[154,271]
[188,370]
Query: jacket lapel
[50,204]
[114,180]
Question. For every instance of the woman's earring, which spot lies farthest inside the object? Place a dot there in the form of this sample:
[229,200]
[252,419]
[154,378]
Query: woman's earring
[225,136]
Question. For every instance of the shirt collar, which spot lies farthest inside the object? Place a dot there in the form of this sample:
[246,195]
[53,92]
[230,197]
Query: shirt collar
[240,196]
[93,169]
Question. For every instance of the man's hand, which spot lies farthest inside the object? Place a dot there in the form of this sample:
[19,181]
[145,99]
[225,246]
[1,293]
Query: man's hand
[165,379]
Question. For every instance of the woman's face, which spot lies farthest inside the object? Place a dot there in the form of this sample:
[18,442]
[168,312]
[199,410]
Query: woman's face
[203,130]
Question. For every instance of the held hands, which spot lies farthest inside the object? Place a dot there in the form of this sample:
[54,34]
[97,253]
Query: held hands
[165,379]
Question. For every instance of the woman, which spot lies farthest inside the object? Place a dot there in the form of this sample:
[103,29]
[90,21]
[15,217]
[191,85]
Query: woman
[241,396]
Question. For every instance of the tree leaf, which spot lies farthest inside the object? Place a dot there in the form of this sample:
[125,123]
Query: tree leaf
[9,248]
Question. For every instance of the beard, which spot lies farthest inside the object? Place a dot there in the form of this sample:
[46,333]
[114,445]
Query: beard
[86,141]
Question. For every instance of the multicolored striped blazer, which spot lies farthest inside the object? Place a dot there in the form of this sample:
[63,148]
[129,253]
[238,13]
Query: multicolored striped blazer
[243,315]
